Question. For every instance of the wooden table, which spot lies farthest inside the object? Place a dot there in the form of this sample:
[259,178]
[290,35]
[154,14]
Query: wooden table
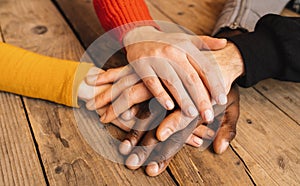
[40,141]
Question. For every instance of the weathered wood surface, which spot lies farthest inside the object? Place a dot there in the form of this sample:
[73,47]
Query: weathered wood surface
[265,151]
[19,163]
[68,159]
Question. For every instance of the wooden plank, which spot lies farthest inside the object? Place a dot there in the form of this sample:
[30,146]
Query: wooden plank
[190,166]
[19,163]
[38,26]
[270,140]
[285,95]
[198,16]
[78,12]
[18,156]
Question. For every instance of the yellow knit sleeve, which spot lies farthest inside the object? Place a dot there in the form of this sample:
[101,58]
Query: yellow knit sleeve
[37,76]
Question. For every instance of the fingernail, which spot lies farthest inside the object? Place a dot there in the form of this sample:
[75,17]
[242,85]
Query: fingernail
[223,146]
[210,133]
[127,115]
[198,141]
[223,40]
[92,79]
[169,104]
[125,147]
[222,99]
[209,116]
[133,160]
[165,134]
[152,168]
[192,111]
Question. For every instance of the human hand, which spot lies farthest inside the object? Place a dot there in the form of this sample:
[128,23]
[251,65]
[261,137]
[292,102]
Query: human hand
[173,57]
[132,91]
[158,155]
[88,92]
[230,63]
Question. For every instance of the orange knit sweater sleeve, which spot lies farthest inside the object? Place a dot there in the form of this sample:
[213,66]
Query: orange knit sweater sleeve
[125,13]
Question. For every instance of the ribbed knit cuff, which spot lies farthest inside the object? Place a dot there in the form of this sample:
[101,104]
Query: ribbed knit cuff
[123,16]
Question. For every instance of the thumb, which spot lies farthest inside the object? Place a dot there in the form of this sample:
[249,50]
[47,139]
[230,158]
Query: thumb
[227,130]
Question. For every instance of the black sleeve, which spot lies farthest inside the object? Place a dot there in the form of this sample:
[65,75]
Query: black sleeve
[271,51]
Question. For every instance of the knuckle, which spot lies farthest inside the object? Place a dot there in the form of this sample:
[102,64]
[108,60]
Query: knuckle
[125,82]
[203,103]
[172,82]
[170,49]
[192,78]
[150,82]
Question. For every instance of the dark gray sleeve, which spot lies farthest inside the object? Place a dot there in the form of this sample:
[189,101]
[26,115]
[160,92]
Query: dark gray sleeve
[244,14]
[271,51]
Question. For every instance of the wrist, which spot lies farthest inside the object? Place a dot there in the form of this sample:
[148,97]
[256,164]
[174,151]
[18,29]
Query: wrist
[139,34]
[231,64]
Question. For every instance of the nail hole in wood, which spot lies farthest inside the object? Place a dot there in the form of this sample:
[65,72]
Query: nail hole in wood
[180,13]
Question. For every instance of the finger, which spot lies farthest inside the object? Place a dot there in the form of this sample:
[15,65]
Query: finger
[174,84]
[207,42]
[111,75]
[193,84]
[227,130]
[156,168]
[130,113]
[95,71]
[194,141]
[87,92]
[141,152]
[208,69]
[113,92]
[203,131]
[139,129]
[125,125]
[164,151]
[131,96]
[174,122]
[144,70]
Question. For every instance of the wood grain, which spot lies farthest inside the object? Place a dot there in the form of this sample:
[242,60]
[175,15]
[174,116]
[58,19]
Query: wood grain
[198,16]
[267,140]
[285,95]
[68,159]
[189,166]
[79,12]
[19,163]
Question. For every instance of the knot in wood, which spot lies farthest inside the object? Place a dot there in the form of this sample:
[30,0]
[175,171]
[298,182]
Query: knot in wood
[40,29]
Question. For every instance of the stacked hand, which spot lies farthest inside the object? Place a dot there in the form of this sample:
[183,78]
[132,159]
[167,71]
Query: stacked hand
[119,102]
